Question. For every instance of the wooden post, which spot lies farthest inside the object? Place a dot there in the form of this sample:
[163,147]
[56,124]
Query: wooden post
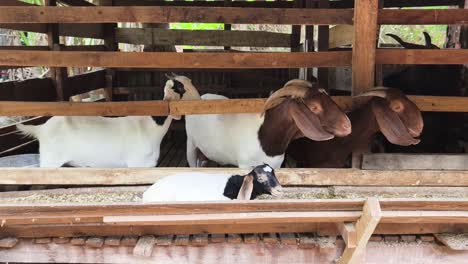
[464,33]
[323,39]
[57,74]
[365,226]
[348,233]
[365,32]
[379,67]
[363,60]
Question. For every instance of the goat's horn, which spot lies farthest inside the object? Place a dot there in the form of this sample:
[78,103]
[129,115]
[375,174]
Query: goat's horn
[277,97]
[299,82]
[378,91]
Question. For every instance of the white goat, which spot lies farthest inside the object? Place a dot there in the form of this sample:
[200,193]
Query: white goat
[246,140]
[197,186]
[80,141]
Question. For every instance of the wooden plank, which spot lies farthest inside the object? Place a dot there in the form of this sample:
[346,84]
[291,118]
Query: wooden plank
[159,36]
[217,238]
[424,217]
[232,218]
[272,4]
[453,241]
[288,238]
[94,242]
[422,16]
[140,14]
[396,3]
[175,60]
[161,108]
[348,233]
[84,109]
[365,32]
[414,56]
[8,242]
[144,247]
[317,177]
[394,161]
[234,239]
[365,226]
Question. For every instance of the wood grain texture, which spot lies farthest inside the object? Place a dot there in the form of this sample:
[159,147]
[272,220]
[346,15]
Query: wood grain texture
[158,36]
[140,14]
[365,33]
[348,233]
[175,60]
[162,108]
[421,17]
[317,177]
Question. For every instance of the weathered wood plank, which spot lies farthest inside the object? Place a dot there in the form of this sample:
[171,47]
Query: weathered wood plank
[159,36]
[125,176]
[394,161]
[395,3]
[144,246]
[365,32]
[365,226]
[423,16]
[454,241]
[424,217]
[175,60]
[162,108]
[233,218]
[140,14]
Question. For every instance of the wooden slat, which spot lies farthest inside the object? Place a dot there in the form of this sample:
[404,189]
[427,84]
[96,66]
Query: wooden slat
[423,16]
[233,218]
[161,108]
[85,109]
[365,226]
[125,176]
[449,217]
[229,15]
[277,4]
[62,47]
[408,56]
[159,36]
[396,3]
[175,60]
[394,161]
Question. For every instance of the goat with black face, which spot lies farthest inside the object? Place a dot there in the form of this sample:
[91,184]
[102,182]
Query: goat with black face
[197,186]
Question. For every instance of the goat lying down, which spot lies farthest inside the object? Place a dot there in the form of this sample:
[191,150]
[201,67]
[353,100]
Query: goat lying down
[197,186]
[388,111]
[246,140]
[79,141]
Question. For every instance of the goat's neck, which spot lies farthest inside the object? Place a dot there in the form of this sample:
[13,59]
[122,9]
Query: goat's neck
[277,130]
[364,127]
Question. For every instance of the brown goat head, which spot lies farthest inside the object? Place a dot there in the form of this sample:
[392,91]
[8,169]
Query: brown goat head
[316,115]
[399,119]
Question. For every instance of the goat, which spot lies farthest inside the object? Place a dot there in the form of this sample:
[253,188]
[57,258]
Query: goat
[388,111]
[246,140]
[79,141]
[442,130]
[197,186]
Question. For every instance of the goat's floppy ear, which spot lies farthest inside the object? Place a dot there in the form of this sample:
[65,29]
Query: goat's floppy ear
[391,125]
[307,122]
[245,191]
[176,117]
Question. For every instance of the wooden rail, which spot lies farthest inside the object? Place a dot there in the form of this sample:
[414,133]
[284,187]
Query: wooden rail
[164,108]
[305,177]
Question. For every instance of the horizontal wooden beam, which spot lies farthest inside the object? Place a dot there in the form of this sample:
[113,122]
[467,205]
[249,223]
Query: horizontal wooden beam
[409,56]
[229,15]
[269,4]
[317,177]
[163,108]
[62,47]
[158,36]
[422,16]
[400,161]
[233,218]
[175,60]
[395,3]
[72,30]
[448,217]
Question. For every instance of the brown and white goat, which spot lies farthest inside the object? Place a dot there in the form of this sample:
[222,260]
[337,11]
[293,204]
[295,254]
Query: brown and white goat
[247,140]
[388,111]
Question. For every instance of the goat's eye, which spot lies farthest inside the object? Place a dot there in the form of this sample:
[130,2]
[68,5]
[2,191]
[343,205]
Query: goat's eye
[315,108]
[397,106]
